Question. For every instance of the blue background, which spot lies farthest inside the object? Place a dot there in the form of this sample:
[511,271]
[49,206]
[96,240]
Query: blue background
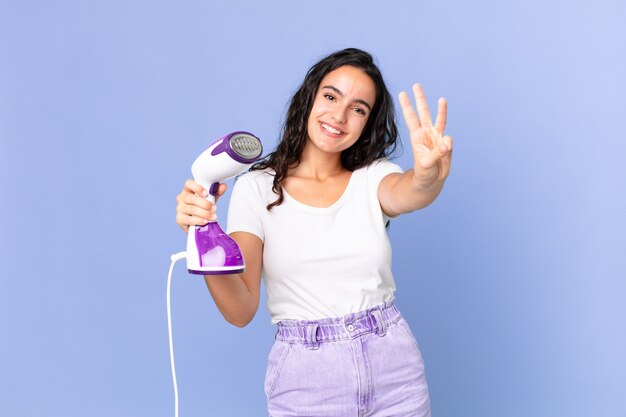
[513,281]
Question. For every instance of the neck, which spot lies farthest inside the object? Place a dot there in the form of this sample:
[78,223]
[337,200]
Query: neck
[315,163]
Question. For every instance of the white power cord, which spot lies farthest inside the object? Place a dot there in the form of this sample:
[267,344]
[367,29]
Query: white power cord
[176,257]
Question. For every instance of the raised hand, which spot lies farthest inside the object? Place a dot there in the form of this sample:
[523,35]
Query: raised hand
[432,151]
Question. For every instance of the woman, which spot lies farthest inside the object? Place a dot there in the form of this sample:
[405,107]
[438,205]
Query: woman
[312,216]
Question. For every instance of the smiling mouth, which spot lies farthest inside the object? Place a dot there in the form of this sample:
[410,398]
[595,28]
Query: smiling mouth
[330,129]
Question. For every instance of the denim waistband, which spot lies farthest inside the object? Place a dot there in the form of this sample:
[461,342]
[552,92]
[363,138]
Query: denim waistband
[313,332]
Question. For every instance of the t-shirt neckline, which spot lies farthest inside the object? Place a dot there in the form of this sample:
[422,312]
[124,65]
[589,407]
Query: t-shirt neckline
[333,206]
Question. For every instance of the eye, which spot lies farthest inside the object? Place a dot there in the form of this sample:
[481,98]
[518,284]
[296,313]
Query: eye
[360,111]
[329,97]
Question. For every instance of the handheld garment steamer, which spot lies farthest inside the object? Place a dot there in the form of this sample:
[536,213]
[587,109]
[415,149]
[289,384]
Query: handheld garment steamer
[210,251]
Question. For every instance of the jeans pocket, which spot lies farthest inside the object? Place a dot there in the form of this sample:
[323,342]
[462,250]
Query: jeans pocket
[404,328]
[275,362]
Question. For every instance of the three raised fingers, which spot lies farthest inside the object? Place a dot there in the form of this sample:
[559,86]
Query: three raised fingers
[422,117]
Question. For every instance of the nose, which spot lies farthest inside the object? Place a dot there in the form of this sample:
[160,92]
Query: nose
[339,115]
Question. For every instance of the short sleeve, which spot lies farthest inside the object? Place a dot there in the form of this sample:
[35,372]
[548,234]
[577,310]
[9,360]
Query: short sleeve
[245,207]
[378,170]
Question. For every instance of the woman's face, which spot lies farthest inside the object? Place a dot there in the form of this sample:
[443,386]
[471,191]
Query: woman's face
[342,105]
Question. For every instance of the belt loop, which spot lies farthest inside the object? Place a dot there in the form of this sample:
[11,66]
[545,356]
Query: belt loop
[381,326]
[311,336]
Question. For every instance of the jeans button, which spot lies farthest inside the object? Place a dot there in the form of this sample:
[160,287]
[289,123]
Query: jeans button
[350,327]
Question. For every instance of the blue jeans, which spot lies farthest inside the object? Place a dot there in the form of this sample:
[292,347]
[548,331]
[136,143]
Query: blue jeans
[362,364]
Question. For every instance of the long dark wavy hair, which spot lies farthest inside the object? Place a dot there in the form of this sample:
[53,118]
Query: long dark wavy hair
[377,140]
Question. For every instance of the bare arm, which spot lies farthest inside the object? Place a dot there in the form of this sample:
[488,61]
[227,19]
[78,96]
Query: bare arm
[432,152]
[399,193]
[236,295]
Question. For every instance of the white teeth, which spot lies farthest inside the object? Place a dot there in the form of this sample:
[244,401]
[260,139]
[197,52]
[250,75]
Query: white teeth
[330,129]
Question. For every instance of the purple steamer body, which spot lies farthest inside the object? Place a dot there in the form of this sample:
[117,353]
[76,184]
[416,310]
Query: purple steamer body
[218,249]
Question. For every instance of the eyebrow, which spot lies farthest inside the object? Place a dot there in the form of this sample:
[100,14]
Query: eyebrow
[358,100]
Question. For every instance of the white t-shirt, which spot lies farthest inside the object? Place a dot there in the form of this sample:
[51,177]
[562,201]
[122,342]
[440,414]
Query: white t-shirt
[319,262]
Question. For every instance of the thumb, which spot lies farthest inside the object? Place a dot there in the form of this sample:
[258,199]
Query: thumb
[221,189]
